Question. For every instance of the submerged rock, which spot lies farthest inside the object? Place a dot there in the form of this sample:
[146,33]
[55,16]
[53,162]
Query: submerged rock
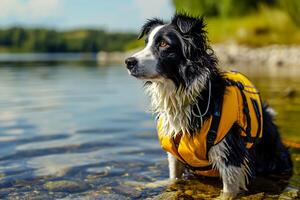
[166,196]
[112,197]
[190,189]
[128,191]
[65,186]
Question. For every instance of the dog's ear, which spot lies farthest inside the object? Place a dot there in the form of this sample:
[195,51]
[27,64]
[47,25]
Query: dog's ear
[192,28]
[187,24]
[149,25]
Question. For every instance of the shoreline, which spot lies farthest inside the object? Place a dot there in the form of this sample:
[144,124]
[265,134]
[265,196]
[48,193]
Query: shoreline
[273,59]
[273,55]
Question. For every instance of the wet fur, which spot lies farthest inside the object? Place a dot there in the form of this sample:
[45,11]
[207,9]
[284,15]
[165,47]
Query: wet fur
[180,95]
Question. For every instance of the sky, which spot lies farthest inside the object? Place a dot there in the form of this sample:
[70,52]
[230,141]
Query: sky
[113,15]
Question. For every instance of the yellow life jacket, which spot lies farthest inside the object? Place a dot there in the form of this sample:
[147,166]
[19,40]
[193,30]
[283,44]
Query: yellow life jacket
[241,105]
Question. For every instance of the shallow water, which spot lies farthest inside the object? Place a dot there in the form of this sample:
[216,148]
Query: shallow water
[80,131]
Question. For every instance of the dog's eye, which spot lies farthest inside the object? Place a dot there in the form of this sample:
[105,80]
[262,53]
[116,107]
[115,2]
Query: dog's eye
[163,44]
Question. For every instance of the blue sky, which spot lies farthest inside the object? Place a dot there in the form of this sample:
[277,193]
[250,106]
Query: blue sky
[123,15]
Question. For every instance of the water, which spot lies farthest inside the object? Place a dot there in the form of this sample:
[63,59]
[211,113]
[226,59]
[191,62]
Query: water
[47,57]
[80,131]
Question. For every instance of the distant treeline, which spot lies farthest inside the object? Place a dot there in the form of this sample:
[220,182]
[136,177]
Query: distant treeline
[18,39]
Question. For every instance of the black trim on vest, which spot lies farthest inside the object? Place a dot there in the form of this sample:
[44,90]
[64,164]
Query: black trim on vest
[246,112]
[206,168]
[240,86]
[212,133]
[258,116]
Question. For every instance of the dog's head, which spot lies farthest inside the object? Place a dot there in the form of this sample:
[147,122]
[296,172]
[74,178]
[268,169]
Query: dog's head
[177,51]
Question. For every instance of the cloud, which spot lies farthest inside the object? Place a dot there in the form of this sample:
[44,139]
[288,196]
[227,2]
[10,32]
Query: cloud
[22,10]
[154,8]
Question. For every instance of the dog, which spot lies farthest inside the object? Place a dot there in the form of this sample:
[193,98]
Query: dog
[211,122]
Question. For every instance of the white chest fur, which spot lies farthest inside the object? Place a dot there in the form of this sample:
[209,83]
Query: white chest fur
[174,104]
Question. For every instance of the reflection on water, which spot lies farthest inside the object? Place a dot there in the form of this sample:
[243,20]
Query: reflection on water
[48,57]
[81,131]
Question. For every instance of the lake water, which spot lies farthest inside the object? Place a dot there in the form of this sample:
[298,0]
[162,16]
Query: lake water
[80,131]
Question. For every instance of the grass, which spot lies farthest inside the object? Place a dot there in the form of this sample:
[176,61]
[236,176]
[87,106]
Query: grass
[266,27]
[269,26]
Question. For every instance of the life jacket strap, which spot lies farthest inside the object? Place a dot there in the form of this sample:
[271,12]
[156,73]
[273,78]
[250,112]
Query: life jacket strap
[245,110]
[258,117]
[212,133]
[249,138]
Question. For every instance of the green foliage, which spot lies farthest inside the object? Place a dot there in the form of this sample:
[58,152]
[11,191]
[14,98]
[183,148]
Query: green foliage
[292,7]
[222,8]
[135,44]
[197,7]
[250,22]
[229,8]
[258,29]
[18,39]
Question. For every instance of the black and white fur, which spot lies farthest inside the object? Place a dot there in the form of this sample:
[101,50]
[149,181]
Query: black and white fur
[181,76]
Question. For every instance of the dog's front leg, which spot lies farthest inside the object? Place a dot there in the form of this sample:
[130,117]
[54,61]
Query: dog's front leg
[230,189]
[234,172]
[176,168]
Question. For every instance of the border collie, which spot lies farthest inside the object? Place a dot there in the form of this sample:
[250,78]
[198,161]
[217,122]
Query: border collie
[181,75]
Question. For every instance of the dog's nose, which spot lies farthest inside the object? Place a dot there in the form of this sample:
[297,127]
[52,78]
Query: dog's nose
[131,62]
